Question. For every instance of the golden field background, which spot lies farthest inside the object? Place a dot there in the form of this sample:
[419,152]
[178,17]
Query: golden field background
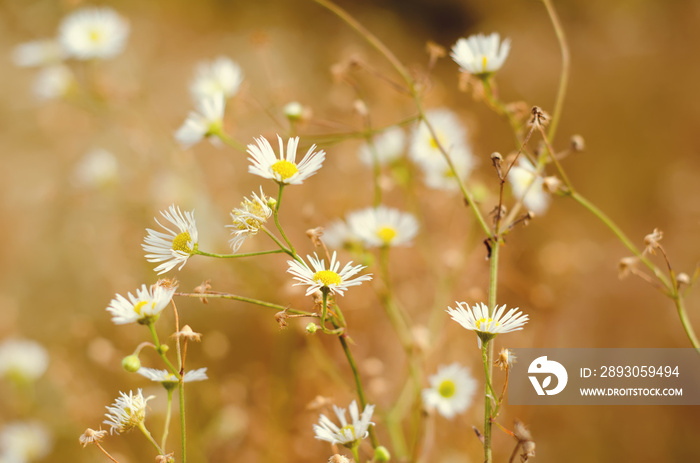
[66,250]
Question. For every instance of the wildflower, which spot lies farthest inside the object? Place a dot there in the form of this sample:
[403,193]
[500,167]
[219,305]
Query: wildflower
[90,436]
[451,390]
[388,146]
[348,434]
[479,54]
[449,134]
[98,168]
[169,380]
[44,52]
[174,247]
[294,111]
[53,82]
[383,226]
[206,122]
[23,360]
[249,218]
[439,175]
[93,33]
[331,279]
[338,235]
[127,412]
[284,169]
[529,187]
[477,319]
[221,76]
[144,308]
[24,441]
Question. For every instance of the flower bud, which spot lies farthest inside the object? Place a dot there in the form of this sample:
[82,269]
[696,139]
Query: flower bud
[293,111]
[381,454]
[311,328]
[131,363]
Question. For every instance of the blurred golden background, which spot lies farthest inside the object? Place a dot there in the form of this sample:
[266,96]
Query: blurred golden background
[68,248]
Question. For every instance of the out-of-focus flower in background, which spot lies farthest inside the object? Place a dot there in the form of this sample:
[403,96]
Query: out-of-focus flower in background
[451,390]
[383,226]
[93,33]
[220,76]
[481,55]
[388,146]
[529,187]
[23,360]
[97,169]
[24,441]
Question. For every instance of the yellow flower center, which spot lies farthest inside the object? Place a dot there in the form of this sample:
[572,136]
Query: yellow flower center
[285,169]
[486,323]
[447,388]
[440,141]
[349,427]
[95,36]
[386,234]
[483,62]
[327,277]
[180,243]
[139,306]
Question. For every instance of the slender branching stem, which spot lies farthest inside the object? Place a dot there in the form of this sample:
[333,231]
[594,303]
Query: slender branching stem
[565,65]
[146,432]
[168,415]
[249,300]
[161,352]
[275,214]
[183,427]
[105,452]
[246,254]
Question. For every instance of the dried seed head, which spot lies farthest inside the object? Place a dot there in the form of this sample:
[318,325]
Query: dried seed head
[651,241]
[528,451]
[361,108]
[338,458]
[315,235]
[435,52]
[505,359]
[187,333]
[551,184]
[169,458]
[318,403]
[538,117]
[281,318]
[683,278]
[521,432]
[625,266]
[577,144]
[90,436]
[167,283]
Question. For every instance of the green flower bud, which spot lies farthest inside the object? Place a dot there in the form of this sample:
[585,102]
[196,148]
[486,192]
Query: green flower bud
[381,453]
[131,363]
[311,328]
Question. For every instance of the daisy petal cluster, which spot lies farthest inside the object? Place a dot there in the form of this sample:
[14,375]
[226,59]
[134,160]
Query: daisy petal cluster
[283,169]
[212,78]
[529,187]
[172,247]
[98,168]
[479,54]
[127,412]
[348,434]
[169,380]
[388,146]
[145,307]
[93,33]
[206,122]
[383,226]
[44,52]
[23,359]
[24,441]
[477,318]
[451,390]
[249,218]
[332,279]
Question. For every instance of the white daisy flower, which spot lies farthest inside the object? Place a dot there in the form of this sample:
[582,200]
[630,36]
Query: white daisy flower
[439,175]
[23,359]
[220,76]
[249,218]
[487,326]
[348,434]
[127,412]
[529,187]
[169,380]
[53,82]
[451,390]
[284,169]
[207,121]
[333,280]
[93,33]
[98,168]
[338,234]
[143,308]
[44,52]
[450,134]
[383,226]
[479,54]
[24,441]
[389,146]
[174,247]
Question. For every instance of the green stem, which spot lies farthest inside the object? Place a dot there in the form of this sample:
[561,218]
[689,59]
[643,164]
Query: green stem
[355,453]
[249,300]
[565,65]
[680,307]
[159,349]
[282,246]
[376,171]
[229,141]
[232,256]
[181,393]
[487,349]
[142,428]
[275,214]
[168,415]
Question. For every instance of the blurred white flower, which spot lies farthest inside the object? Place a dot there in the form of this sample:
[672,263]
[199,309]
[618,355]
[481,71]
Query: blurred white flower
[44,52]
[338,234]
[389,146]
[22,442]
[529,187]
[174,247]
[169,380]
[265,163]
[249,218]
[293,110]
[480,54]
[348,434]
[93,33]
[143,308]
[333,279]
[127,412]
[451,390]
[23,359]
[220,76]
[450,134]
[438,174]
[208,120]
[53,82]
[383,226]
[98,168]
